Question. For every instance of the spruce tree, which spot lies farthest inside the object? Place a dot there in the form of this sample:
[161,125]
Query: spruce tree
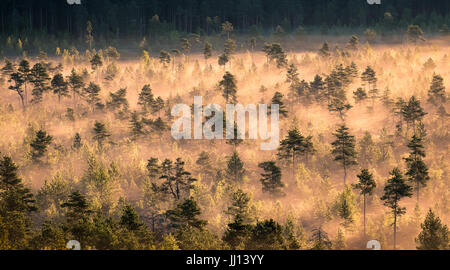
[207,51]
[239,229]
[76,83]
[235,168]
[228,87]
[92,94]
[146,98]
[434,234]
[417,170]
[40,144]
[40,80]
[16,204]
[396,188]
[100,133]
[436,93]
[271,179]
[60,86]
[186,214]
[278,99]
[344,149]
[366,186]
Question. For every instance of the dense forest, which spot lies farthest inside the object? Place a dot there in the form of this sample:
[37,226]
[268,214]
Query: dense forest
[87,153]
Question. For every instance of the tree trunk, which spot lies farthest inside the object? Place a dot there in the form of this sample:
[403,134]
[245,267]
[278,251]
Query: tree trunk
[395,227]
[364,214]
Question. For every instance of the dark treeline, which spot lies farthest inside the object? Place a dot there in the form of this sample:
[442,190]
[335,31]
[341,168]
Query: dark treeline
[136,18]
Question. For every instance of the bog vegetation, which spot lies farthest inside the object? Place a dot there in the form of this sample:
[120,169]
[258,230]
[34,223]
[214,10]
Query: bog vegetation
[87,155]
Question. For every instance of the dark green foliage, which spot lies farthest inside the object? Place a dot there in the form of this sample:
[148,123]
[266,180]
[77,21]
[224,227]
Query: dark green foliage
[16,204]
[359,95]
[228,87]
[92,93]
[271,179]
[266,235]
[238,231]
[100,133]
[366,185]
[136,125]
[40,80]
[96,61]
[434,234]
[324,51]
[39,144]
[344,149]
[278,99]
[77,141]
[275,52]
[414,33]
[177,182]
[186,214]
[60,86]
[146,98]
[396,188]
[207,50]
[320,240]
[412,112]
[235,168]
[118,101]
[417,170]
[164,58]
[294,145]
[436,93]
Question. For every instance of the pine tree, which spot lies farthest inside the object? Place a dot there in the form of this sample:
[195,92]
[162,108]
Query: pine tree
[414,33]
[434,234]
[16,204]
[366,185]
[146,98]
[417,170]
[25,73]
[186,214]
[369,78]
[185,45]
[136,126]
[40,80]
[292,75]
[60,86]
[223,60]
[346,206]
[118,100]
[436,93]
[229,88]
[164,58]
[294,145]
[413,113]
[344,149]
[130,219]
[39,144]
[177,182]
[229,47]
[96,62]
[17,87]
[353,43]
[396,188]
[92,94]
[207,51]
[359,95]
[278,99]
[238,231]
[324,51]
[76,83]
[89,37]
[266,235]
[271,179]
[77,141]
[100,133]
[227,28]
[235,168]
[317,88]
[320,240]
